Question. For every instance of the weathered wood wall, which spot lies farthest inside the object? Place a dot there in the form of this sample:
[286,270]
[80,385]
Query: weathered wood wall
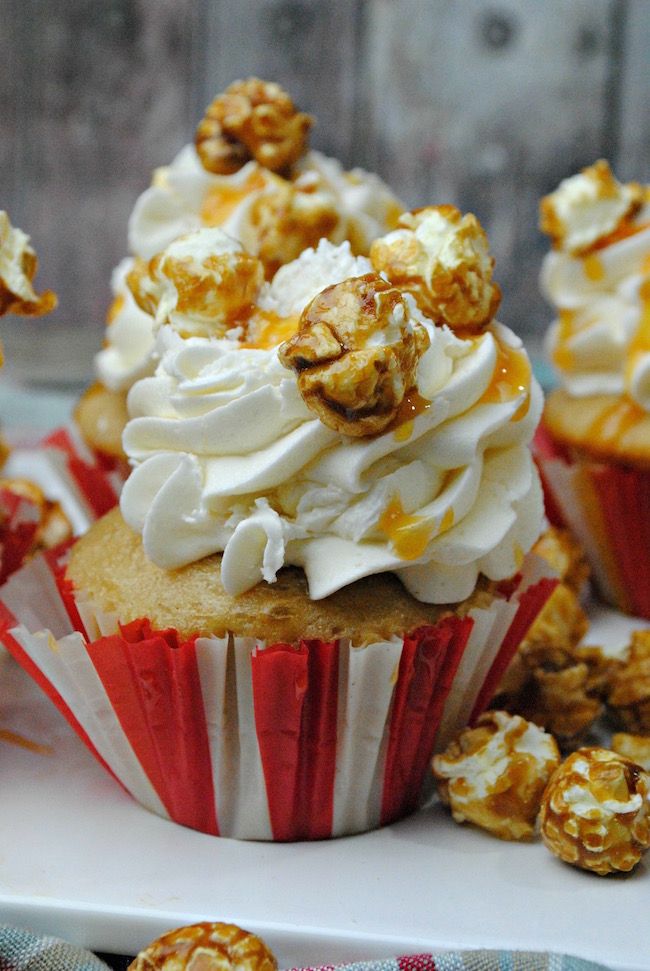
[484,104]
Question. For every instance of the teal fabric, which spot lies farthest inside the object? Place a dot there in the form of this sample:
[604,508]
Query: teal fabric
[24,950]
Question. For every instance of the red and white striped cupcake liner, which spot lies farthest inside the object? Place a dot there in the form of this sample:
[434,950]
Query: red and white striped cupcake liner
[237,738]
[19,521]
[86,483]
[606,505]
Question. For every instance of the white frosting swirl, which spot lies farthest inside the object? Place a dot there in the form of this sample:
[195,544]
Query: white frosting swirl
[229,458]
[600,340]
[184,197]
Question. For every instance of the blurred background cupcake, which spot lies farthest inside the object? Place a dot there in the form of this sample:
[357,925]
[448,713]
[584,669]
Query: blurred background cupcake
[596,425]
[319,569]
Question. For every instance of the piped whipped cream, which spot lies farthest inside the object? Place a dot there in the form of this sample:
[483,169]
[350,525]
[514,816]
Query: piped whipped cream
[597,276]
[228,457]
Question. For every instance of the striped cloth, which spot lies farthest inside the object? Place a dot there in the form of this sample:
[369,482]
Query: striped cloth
[23,950]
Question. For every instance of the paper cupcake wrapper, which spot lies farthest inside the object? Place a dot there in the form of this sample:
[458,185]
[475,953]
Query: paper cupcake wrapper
[85,482]
[252,741]
[19,520]
[607,507]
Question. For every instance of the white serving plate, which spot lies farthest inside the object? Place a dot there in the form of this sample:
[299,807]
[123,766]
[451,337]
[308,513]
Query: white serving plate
[81,860]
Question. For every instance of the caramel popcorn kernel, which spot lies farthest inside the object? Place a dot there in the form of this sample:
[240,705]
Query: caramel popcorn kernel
[595,811]
[629,692]
[203,284]
[252,119]
[494,775]
[208,946]
[587,207]
[286,220]
[441,256]
[634,747]
[356,354]
[18,265]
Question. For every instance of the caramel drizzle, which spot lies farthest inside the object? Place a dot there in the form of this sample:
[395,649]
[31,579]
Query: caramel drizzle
[266,329]
[615,422]
[640,343]
[410,535]
[412,406]
[510,378]
[220,201]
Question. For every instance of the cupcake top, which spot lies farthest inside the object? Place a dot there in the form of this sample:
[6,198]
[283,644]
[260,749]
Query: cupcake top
[597,276]
[351,416]
[251,173]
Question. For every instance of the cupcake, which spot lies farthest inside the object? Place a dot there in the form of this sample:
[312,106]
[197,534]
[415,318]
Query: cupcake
[29,520]
[594,444]
[250,172]
[318,571]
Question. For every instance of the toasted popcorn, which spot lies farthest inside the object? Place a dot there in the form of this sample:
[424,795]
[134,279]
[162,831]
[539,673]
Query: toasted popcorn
[18,264]
[633,747]
[252,119]
[494,775]
[596,811]
[553,680]
[442,258]
[27,527]
[356,354]
[203,284]
[286,220]
[629,692]
[206,947]
[588,207]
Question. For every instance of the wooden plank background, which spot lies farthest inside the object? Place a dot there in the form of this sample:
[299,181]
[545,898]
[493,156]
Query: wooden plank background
[483,104]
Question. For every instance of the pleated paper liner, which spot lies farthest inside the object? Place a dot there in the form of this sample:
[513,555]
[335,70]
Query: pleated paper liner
[607,507]
[273,742]
[19,521]
[85,482]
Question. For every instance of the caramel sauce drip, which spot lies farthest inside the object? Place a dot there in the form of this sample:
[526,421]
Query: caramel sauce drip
[615,422]
[266,329]
[562,354]
[410,535]
[640,343]
[510,378]
[13,738]
[412,406]
[221,200]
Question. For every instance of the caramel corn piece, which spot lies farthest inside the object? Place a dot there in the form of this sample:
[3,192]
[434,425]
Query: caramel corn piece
[208,947]
[595,811]
[252,119]
[494,775]
[629,691]
[203,284]
[587,207]
[18,264]
[442,257]
[356,354]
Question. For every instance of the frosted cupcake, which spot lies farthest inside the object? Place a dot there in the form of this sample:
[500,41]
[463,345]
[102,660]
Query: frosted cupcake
[595,449]
[251,173]
[319,567]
